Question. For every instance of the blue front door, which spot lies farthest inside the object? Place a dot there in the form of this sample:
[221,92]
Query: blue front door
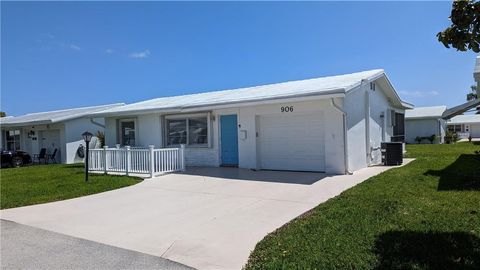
[229,139]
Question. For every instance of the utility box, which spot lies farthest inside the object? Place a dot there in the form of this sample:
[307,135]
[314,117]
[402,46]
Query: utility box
[392,153]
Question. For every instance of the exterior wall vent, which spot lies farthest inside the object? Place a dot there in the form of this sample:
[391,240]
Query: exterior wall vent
[372,86]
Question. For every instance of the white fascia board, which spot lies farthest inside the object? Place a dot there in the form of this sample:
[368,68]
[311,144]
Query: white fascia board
[405,105]
[24,124]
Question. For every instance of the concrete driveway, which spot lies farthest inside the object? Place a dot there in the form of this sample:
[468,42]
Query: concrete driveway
[207,218]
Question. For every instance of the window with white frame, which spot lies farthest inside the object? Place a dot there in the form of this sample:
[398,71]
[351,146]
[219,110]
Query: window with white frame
[191,130]
[455,128]
[127,132]
[12,140]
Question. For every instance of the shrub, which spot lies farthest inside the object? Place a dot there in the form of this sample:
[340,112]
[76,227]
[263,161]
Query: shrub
[451,137]
[418,139]
[432,138]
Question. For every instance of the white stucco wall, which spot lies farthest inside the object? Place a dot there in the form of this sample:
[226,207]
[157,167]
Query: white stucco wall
[424,128]
[149,131]
[73,137]
[361,104]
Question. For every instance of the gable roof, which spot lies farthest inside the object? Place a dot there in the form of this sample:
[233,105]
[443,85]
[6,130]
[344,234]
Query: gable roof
[425,112]
[332,85]
[465,119]
[51,117]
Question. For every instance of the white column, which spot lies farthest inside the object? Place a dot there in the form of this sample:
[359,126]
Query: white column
[152,160]
[105,166]
[127,166]
[182,155]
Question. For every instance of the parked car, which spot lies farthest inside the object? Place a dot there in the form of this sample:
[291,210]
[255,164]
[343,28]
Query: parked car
[15,158]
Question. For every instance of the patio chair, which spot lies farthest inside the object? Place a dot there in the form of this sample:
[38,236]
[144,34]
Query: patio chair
[40,156]
[51,157]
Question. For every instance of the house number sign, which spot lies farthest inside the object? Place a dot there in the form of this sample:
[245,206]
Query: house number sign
[286,109]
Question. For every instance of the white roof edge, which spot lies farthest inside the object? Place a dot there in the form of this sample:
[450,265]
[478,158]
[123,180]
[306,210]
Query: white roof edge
[337,93]
[50,120]
[406,105]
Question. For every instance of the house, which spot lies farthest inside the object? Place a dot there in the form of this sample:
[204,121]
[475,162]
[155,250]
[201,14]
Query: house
[52,130]
[471,104]
[423,122]
[331,124]
[465,125]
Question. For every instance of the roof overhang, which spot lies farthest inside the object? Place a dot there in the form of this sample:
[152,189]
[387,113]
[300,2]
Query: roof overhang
[457,110]
[29,123]
[390,91]
[337,93]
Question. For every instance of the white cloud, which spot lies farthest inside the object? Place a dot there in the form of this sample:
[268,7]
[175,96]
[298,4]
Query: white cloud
[143,54]
[419,94]
[109,51]
[74,47]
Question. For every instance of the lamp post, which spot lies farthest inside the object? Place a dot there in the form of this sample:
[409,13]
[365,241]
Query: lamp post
[87,137]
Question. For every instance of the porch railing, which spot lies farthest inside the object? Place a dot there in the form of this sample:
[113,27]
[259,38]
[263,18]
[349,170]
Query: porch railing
[126,160]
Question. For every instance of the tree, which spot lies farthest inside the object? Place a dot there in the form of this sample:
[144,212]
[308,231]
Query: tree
[473,94]
[464,33]
[3,114]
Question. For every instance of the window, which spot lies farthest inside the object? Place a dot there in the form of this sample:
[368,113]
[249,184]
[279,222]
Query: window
[455,128]
[398,128]
[177,131]
[392,118]
[12,140]
[189,130]
[127,132]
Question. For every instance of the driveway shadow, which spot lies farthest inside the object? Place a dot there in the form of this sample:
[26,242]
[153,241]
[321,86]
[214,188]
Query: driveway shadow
[288,177]
[430,250]
[463,174]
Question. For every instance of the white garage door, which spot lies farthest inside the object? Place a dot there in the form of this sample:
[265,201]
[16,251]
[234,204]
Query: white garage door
[291,142]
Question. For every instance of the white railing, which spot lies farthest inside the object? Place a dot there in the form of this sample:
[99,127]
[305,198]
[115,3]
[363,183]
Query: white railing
[126,160]
[463,135]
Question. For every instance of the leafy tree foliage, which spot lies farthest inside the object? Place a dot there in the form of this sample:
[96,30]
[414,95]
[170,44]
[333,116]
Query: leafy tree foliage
[464,33]
[473,94]
[2,114]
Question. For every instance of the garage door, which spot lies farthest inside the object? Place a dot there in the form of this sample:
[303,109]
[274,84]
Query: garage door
[291,142]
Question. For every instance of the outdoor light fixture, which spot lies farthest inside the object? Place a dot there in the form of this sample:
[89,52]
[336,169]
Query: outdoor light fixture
[87,137]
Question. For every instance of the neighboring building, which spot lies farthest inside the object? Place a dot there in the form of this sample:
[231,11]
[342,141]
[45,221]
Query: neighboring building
[52,130]
[330,124]
[465,125]
[424,122]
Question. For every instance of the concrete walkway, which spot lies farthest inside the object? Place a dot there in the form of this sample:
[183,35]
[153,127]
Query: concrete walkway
[207,218]
[25,247]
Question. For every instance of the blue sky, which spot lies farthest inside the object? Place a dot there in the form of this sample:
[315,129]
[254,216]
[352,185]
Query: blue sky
[58,55]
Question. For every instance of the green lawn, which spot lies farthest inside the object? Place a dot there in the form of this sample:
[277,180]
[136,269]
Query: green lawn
[425,215]
[48,183]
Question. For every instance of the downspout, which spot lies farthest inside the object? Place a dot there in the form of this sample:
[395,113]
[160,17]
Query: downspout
[96,123]
[345,141]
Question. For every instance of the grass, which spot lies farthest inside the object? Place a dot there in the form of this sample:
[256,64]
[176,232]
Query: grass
[425,215]
[48,183]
